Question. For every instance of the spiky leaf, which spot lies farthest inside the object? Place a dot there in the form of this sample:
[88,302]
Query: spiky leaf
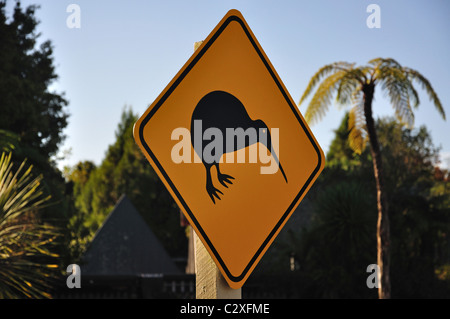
[24,242]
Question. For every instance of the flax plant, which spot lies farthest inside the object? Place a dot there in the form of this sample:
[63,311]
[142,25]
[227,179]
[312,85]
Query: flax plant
[25,243]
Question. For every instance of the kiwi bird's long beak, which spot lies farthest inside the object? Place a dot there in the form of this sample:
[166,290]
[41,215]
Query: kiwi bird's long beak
[279,165]
[282,171]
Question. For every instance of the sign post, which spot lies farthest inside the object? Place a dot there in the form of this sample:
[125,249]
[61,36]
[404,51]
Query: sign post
[209,282]
[230,145]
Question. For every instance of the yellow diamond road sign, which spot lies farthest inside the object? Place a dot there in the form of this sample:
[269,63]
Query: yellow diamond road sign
[231,147]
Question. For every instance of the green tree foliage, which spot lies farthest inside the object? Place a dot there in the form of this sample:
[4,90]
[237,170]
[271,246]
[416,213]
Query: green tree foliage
[420,220]
[124,170]
[32,117]
[29,109]
[26,243]
[340,243]
[79,229]
[8,141]
[340,154]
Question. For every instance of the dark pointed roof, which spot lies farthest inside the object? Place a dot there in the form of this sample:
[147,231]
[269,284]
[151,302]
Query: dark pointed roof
[125,245]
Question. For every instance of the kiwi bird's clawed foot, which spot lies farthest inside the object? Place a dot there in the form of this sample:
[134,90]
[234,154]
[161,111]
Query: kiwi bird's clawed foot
[224,178]
[213,192]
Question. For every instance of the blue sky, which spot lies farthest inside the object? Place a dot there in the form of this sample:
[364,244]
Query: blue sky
[126,52]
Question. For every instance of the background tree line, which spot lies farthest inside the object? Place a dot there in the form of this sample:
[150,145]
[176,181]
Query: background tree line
[32,120]
[124,170]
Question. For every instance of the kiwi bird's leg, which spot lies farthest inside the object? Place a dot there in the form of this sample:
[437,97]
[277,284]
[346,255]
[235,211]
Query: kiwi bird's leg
[212,191]
[223,178]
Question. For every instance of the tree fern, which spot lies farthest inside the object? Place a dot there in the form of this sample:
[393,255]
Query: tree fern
[356,87]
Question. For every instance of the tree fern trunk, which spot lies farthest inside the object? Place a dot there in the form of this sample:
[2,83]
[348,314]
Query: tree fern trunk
[383,233]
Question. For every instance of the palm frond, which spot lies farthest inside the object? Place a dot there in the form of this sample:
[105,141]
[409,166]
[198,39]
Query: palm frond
[400,90]
[321,100]
[426,85]
[399,97]
[384,62]
[323,72]
[344,79]
[352,81]
[357,137]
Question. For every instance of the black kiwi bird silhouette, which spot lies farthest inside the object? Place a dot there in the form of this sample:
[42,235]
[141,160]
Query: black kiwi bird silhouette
[222,110]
